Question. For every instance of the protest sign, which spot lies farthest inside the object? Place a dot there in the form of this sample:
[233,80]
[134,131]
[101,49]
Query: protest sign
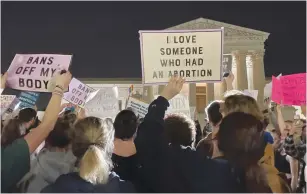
[196,55]
[103,103]
[32,72]
[140,108]
[12,107]
[293,88]
[77,92]
[178,104]
[227,63]
[268,89]
[6,100]
[28,99]
[251,93]
[276,90]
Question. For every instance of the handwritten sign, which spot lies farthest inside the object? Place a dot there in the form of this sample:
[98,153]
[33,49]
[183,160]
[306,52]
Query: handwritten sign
[32,72]
[268,89]
[77,93]
[276,90]
[140,108]
[103,103]
[293,89]
[196,55]
[251,93]
[6,100]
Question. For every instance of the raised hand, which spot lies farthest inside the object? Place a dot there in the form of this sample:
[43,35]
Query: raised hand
[229,79]
[173,87]
[63,80]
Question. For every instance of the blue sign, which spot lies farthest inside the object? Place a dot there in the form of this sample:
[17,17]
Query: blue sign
[28,99]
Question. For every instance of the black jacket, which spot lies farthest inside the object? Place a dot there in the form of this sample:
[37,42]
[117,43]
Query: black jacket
[73,183]
[179,169]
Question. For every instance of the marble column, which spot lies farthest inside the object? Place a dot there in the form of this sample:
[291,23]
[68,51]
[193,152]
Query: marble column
[241,73]
[219,90]
[249,68]
[148,96]
[258,74]
[192,94]
[210,92]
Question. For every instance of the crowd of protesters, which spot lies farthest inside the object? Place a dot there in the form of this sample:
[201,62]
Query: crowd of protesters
[241,148]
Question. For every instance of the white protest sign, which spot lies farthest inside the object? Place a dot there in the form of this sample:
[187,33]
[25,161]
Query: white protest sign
[196,55]
[140,108]
[103,103]
[179,104]
[6,101]
[77,92]
[251,93]
[32,72]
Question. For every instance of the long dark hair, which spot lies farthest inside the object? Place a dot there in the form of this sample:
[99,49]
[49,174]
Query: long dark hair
[240,139]
[10,131]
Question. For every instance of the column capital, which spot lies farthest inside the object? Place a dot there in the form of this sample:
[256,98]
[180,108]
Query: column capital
[239,52]
[256,53]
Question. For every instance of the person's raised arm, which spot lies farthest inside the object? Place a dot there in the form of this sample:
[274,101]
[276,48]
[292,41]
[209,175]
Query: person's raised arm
[39,134]
[149,135]
[280,119]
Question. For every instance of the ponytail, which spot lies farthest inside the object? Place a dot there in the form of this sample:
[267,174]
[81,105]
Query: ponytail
[95,166]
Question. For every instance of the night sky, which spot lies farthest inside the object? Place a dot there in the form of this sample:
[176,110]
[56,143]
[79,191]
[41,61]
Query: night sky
[104,39]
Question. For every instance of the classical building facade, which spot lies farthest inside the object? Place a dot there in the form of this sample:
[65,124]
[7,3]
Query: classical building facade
[247,49]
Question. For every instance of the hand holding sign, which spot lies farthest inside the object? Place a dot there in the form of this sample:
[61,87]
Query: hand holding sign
[173,87]
[63,80]
[3,80]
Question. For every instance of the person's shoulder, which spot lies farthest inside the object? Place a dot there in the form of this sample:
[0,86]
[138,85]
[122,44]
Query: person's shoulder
[19,144]
[115,185]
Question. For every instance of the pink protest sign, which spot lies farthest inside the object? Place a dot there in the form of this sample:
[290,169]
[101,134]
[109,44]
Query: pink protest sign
[32,72]
[294,89]
[276,90]
[78,92]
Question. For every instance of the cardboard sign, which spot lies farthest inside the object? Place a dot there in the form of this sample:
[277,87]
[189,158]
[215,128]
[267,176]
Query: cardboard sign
[251,93]
[77,92]
[103,103]
[196,55]
[227,63]
[6,100]
[32,72]
[293,89]
[140,108]
[28,99]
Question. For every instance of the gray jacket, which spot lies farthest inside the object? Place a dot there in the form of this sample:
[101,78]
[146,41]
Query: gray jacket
[46,168]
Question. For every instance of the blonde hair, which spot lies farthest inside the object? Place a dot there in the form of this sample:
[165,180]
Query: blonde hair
[92,144]
[241,103]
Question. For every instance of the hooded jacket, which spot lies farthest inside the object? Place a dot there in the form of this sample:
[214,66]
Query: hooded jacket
[46,168]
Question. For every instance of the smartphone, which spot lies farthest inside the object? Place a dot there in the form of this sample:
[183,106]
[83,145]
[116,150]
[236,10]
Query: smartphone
[225,74]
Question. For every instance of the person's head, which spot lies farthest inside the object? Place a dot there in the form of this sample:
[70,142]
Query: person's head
[241,103]
[213,112]
[125,125]
[241,141]
[11,131]
[27,117]
[179,130]
[60,137]
[92,144]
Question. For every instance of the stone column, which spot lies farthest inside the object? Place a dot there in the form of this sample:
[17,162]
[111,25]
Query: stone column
[258,74]
[192,94]
[210,92]
[249,68]
[241,73]
[148,94]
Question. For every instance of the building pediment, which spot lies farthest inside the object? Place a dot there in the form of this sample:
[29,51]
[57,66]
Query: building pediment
[229,29]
